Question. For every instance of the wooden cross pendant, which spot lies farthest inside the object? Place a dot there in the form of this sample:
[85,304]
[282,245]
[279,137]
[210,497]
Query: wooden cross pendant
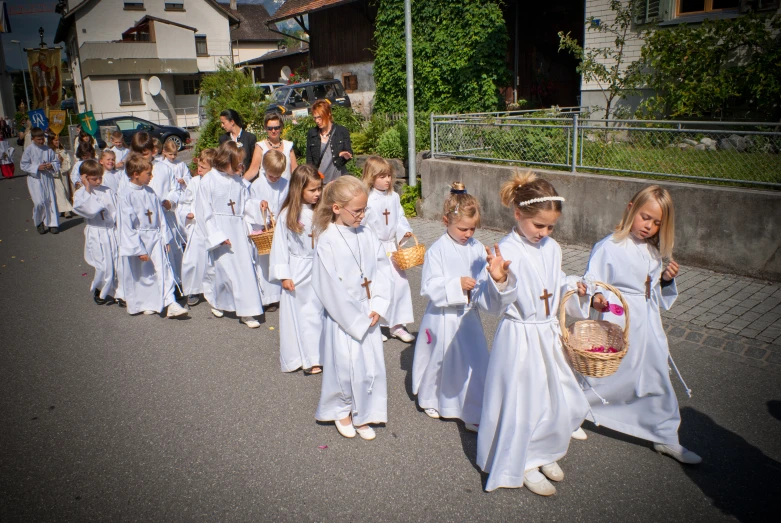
[545,296]
[313,239]
[149,215]
[386,214]
[468,297]
[231,204]
[365,284]
[101,216]
[648,287]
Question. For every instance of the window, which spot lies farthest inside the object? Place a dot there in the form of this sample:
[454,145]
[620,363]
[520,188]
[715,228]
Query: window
[689,7]
[134,6]
[201,48]
[130,92]
[191,86]
[174,6]
[350,82]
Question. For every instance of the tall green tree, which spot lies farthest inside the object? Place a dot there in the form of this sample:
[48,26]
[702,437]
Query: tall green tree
[459,51]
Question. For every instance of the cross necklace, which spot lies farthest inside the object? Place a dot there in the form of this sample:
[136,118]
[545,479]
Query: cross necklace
[648,277]
[546,296]
[366,281]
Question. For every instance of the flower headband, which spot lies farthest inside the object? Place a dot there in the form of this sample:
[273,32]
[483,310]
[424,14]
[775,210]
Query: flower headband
[543,199]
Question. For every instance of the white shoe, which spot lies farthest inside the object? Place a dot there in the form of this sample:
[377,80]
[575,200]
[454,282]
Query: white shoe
[366,432]
[552,471]
[218,313]
[678,453]
[537,483]
[193,300]
[149,313]
[250,322]
[403,335]
[384,338]
[431,413]
[348,431]
[175,310]
[580,434]
[471,427]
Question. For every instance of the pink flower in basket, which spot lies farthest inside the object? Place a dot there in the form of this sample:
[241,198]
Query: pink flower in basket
[603,349]
[613,308]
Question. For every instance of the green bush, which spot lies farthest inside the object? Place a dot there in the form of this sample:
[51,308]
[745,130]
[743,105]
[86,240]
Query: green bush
[409,198]
[389,145]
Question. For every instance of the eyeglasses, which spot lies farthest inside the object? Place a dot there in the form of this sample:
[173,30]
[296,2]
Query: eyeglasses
[355,214]
[274,128]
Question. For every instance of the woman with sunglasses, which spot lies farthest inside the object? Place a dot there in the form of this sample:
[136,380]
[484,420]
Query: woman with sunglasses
[273,142]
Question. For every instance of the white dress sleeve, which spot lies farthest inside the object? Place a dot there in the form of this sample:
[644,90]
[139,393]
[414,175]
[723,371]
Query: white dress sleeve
[279,259]
[206,220]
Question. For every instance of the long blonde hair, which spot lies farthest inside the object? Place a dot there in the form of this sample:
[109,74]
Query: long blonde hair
[302,175]
[375,166]
[338,192]
[664,239]
[525,186]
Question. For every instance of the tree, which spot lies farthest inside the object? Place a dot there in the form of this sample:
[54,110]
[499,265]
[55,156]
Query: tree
[606,66]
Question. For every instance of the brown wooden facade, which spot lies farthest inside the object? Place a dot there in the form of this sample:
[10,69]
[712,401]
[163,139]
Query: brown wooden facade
[343,34]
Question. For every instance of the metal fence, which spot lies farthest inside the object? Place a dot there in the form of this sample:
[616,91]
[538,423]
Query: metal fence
[745,153]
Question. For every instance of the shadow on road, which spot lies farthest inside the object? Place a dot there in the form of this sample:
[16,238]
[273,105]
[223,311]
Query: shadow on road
[774,408]
[405,364]
[70,223]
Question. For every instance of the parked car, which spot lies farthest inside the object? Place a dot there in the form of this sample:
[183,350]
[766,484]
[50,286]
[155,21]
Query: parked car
[269,88]
[130,125]
[68,104]
[299,97]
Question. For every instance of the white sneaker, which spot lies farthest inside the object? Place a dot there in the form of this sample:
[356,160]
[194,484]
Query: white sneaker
[149,313]
[403,335]
[537,483]
[366,432]
[384,338]
[580,434]
[250,322]
[552,471]
[348,431]
[678,452]
[175,310]
[193,300]
[218,313]
[471,427]
[431,413]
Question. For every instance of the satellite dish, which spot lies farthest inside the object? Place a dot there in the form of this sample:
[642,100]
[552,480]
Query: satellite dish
[155,85]
[286,72]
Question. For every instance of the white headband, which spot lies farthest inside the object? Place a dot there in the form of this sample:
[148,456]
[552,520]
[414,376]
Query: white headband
[543,199]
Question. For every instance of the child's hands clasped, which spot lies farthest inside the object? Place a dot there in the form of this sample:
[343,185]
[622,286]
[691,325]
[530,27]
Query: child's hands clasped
[467,284]
[497,266]
[671,271]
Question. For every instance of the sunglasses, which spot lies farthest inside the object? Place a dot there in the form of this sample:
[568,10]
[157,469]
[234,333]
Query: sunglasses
[274,128]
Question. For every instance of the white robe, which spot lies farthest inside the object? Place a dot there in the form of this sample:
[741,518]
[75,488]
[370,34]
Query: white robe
[195,255]
[532,401]
[286,148]
[275,194]
[120,154]
[353,363]
[301,314]
[75,175]
[166,188]
[147,286]
[230,279]
[451,353]
[179,170]
[640,395]
[390,234]
[115,179]
[101,249]
[41,184]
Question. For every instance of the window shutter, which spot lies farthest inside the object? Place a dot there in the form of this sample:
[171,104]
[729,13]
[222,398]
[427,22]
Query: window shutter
[647,11]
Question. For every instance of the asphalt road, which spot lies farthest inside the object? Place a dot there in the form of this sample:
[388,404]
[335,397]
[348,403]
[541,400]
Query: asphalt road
[109,417]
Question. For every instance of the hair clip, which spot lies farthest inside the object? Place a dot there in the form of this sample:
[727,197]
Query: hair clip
[321,175]
[456,211]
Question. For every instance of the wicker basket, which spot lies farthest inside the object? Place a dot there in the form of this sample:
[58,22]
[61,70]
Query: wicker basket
[410,256]
[583,335]
[263,240]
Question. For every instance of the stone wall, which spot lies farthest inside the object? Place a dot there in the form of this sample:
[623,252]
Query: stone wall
[719,228]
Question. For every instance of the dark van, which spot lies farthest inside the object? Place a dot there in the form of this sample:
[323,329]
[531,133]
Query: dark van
[300,97]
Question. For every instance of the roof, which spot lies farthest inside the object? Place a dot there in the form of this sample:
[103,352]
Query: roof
[252,24]
[293,8]
[272,55]
[169,22]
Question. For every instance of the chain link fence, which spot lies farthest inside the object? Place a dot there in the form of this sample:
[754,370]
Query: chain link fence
[744,153]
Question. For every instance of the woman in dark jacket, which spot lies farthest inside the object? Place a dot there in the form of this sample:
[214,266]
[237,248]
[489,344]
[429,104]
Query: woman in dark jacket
[328,146]
[233,126]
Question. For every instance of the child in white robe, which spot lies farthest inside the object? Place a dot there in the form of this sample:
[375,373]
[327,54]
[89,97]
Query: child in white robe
[351,277]
[147,278]
[451,354]
[6,160]
[61,182]
[41,165]
[179,169]
[223,199]
[195,254]
[120,149]
[290,262]
[113,178]
[385,216]
[84,151]
[271,189]
[98,205]
[532,400]
[640,397]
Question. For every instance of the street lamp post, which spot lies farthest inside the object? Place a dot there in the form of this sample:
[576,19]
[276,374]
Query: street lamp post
[24,78]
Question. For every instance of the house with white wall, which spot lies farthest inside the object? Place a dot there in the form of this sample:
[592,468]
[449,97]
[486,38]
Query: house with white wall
[114,47]
[251,38]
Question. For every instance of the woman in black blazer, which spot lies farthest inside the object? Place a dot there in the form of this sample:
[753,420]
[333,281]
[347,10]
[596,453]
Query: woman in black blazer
[328,146]
[232,124]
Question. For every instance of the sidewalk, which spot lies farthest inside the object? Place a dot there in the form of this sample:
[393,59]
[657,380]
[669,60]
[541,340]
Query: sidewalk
[731,314]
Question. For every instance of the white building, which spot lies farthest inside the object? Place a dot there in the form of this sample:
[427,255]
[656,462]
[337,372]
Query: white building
[115,46]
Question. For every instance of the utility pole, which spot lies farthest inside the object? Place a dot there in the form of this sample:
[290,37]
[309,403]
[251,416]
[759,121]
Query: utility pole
[411,152]
[24,66]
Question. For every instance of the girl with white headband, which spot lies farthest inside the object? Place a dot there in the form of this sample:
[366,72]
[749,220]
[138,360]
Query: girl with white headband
[532,401]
